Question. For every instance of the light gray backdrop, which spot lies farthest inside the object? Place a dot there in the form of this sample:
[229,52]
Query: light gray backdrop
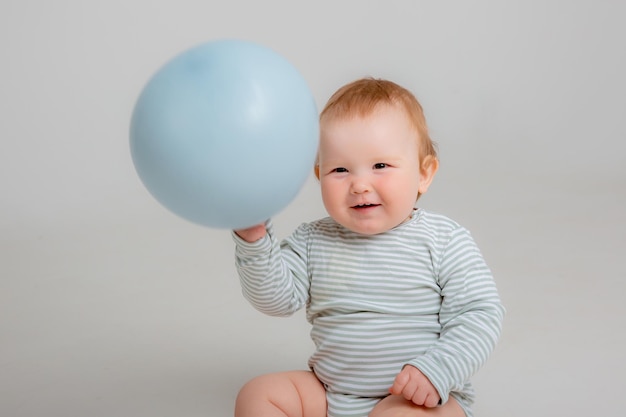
[112,306]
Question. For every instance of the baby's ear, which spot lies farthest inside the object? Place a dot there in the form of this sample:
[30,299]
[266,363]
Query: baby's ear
[428,169]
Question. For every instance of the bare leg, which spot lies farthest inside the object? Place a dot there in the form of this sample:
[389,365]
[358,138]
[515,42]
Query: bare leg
[284,394]
[398,406]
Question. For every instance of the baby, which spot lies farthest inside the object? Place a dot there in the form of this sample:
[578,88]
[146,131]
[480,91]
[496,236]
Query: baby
[402,305]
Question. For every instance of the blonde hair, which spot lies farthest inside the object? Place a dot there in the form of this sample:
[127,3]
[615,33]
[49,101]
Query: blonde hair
[361,98]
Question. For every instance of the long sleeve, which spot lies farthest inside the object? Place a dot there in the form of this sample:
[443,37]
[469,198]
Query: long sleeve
[273,276]
[471,316]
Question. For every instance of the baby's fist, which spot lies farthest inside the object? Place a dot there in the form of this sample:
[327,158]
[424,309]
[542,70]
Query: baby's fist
[413,385]
[253,233]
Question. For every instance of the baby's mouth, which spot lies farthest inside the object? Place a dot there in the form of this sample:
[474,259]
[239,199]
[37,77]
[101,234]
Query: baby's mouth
[365,206]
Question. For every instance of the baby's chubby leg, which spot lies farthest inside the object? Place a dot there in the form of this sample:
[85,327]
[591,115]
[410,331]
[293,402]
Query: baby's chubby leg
[397,406]
[290,394]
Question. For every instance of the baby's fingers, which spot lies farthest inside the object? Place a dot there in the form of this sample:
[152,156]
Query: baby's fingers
[399,383]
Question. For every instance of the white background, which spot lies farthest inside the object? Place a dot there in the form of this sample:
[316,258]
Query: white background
[112,306]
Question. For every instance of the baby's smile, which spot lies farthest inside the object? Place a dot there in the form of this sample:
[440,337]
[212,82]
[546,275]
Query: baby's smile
[365,206]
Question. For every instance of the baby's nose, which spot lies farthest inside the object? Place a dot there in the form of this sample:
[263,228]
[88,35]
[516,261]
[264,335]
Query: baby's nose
[359,187]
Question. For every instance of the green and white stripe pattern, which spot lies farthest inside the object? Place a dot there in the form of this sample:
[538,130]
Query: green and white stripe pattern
[419,294]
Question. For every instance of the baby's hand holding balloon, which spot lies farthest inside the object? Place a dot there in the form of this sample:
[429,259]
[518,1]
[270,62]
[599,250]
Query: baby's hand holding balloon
[252,234]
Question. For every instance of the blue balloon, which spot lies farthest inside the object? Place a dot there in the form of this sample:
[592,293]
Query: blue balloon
[225,134]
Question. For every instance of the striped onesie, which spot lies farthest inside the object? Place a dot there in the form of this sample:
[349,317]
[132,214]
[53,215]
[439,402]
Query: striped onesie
[419,294]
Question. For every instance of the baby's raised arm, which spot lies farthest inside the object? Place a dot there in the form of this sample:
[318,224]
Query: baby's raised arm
[273,276]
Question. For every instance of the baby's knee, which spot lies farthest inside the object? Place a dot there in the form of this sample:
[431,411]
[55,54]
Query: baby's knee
[251,397]
[290,393]
[253,389]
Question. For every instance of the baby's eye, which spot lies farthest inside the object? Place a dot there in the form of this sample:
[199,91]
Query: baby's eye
[340,169]
[380,165]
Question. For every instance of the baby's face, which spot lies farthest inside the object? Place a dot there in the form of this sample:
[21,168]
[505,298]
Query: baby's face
[369,170]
